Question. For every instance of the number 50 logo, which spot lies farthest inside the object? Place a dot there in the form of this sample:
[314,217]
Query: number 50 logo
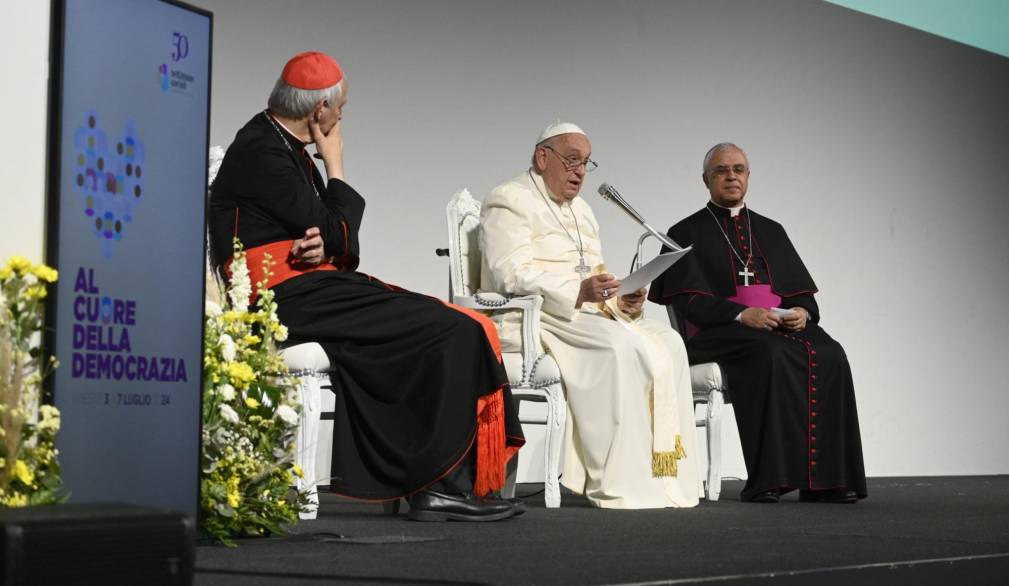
[181,44]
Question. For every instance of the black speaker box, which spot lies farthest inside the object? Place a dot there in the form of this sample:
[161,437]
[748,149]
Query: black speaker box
[108,544]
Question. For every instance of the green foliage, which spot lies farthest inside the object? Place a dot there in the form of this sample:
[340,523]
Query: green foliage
[250,416]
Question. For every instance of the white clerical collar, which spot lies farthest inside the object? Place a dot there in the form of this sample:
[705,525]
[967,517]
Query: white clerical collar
[733,212]
[538,181]
[284,126]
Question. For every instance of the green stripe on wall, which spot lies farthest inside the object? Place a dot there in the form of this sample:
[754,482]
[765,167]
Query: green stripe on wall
[979,23]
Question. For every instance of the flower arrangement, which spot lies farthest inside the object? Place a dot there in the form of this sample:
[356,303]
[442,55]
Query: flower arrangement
[29,470]
[250,415]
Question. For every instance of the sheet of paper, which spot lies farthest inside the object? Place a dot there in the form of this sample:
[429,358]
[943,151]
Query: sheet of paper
[649,272]
[782,312]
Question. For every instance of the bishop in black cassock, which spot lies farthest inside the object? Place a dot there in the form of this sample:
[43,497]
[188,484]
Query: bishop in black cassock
[423,407]
[747,303]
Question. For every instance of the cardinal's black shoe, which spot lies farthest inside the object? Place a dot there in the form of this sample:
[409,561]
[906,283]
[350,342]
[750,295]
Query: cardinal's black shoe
[835,495]
[429,505]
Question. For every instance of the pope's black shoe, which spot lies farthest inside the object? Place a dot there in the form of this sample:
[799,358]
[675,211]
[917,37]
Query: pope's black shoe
[835,495]
[429,505]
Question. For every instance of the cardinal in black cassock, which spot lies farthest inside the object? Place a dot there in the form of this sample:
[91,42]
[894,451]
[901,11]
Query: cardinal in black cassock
[423,408]
[747,303]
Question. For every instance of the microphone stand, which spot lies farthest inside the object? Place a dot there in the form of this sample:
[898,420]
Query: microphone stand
[611,195]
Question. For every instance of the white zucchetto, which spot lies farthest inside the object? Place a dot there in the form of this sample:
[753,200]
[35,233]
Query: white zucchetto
[558,128]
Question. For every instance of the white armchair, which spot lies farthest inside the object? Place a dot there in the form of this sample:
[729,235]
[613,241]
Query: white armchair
[532,374]
[709,389]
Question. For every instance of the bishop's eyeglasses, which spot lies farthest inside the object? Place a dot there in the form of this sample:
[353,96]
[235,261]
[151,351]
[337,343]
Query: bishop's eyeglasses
[571,164]
[722,170]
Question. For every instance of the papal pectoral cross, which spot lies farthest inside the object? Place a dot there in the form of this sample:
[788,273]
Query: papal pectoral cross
[582,269]
[746,274]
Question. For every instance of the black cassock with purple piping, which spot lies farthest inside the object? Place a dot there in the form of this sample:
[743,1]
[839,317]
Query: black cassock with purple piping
[792,392]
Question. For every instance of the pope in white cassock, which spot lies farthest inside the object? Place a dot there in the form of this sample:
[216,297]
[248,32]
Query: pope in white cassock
[630,437]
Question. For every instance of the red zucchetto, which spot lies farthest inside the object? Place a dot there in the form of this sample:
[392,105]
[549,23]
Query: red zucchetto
[312,70]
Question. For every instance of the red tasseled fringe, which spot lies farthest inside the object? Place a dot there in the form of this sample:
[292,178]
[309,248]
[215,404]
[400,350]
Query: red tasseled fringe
[492,451]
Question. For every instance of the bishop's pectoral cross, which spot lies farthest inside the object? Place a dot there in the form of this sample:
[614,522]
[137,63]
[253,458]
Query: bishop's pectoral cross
[746,274]
[582,269]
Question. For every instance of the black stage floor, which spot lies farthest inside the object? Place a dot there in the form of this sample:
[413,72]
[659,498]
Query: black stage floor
[923,530]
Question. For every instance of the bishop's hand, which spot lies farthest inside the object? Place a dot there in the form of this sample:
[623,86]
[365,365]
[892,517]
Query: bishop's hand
[759,318]
[796,320]
[597,288]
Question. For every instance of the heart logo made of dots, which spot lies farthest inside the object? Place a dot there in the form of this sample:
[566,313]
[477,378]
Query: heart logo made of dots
[109,179]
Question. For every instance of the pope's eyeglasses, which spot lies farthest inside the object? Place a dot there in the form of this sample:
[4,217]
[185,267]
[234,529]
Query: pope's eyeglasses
[572,164]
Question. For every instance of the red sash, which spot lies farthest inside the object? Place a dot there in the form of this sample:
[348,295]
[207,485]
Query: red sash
[283,267]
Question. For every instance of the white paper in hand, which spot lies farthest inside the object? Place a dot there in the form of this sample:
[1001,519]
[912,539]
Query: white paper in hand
[649,272]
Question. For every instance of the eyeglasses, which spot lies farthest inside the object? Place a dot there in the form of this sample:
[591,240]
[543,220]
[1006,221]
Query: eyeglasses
[572,164]
[722,170]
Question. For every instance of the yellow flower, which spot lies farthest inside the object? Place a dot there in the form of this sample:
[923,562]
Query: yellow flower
[240,374]
[251,403]
[234,498]
[298,471]
[5,272]
[251,339]
[45,273]
[19,264]
[231,316]
[35,292]
[23,473]
[16,500]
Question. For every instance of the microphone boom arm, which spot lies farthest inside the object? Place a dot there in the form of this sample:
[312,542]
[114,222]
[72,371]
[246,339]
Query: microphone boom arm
[611,195]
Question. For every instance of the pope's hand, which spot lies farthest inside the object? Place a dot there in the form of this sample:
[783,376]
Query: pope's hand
[330,147]
[759,318]
[632,302]
[597,288]
[310,249]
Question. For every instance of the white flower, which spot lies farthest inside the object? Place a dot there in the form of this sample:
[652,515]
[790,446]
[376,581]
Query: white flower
[281,333]
[211,308]
[227,392]
[50,418]
[228,350]
[229,414]
[287,415]
[241,286]
[216,157]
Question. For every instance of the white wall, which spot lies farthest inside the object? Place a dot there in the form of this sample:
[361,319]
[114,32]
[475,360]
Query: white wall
[878,146]
[25,67]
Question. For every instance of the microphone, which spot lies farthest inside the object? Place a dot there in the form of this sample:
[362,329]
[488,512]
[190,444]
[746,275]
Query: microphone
[610,194]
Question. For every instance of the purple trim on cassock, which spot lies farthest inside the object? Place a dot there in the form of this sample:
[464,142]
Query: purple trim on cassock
[756,296]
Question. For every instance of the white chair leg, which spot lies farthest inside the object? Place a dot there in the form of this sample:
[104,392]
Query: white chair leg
[511,472]
[554,437]
[714,429]
[307,440]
